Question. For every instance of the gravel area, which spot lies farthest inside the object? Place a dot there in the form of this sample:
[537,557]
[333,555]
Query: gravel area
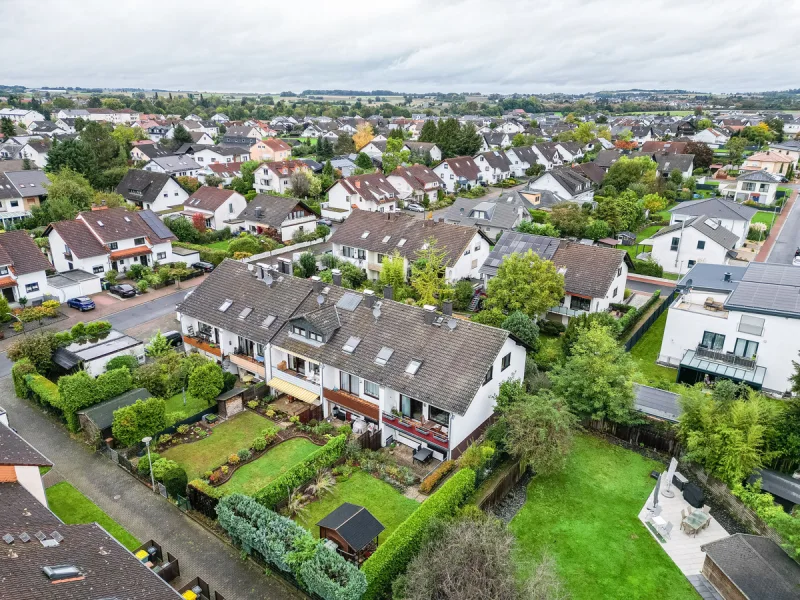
[514,500]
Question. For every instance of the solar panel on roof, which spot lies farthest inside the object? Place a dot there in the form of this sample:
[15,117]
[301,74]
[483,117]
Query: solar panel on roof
[156,224]
[349,301]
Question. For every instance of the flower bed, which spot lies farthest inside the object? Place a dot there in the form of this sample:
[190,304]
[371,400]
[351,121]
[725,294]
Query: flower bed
[185,434]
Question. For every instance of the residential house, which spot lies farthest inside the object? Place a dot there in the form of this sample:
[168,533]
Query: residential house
[522,158]
[667,163]
[776,163]
[737,323]
[495,140]
[591,171]
[23,267]
[656,147]
[493,217]
[566,183]
[756,186]
[731,215]
[151,190]
[338,349]
[547,155]
[112,238]
[52,560]
[73,113]
[278,216]
[159,131]
[177,166]
[36,151]
[594,276]
[221,154]
[569,151]
[116,116]
[790,148]
[424,149]
[276,176]
[201,137]
[225,171]
[364,239]
[371,192]
[459,172]
[606,158]
[147,150]
[217,205]
[20,191]
[415,183]
[599,144]
[344,165]
[220,118]
[711,136]
[244,131]
[45,128]
[702,239]
[21,115]
[494,165]
[375,149]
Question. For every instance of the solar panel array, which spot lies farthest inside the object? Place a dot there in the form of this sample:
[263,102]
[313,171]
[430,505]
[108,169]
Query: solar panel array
[156,224]
[512,241]
[349,301]
[768,287]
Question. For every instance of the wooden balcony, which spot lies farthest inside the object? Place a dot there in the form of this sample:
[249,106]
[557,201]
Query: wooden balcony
[354,403]
[248,363]
[430,432]
[203,345]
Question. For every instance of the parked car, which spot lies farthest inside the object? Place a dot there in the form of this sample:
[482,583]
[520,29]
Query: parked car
[414,207]
[173,337]
[784,180]
[82,303]
[123,290]
[326,222]
[204,266]
[796,259]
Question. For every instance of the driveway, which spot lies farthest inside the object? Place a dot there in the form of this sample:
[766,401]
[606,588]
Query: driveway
[145,514]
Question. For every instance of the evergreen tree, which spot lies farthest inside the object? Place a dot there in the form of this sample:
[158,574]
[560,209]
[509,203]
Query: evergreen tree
[363,161]
[429,132]
[447,137]
[7,127]
[469,140]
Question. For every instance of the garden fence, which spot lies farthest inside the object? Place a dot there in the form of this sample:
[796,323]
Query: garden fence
[202,502]
[643,436]
[648,322]
[370,440]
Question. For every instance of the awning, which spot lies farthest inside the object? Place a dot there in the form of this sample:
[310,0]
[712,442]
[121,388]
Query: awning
[754,377]
[7,282]
[130,252]
[295,391]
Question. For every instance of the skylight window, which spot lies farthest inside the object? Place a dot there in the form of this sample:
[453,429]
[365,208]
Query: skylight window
[386,238]
[100,223]
[384,355]
[352,344]
[268,321]
[401,243]
[245,312]
[225,305]
[413,366]
[365,235]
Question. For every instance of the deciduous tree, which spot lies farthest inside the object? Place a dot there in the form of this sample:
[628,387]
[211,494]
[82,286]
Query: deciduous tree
[363,135]
[427,272]
[527,283]
[569,219]
[703,155]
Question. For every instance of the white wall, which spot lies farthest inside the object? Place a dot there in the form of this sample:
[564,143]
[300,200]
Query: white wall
[737,226]
[171,195]
[36,278]
[468,265]
[713,253]
[98,366]
[57,248]
[80,288]
[29,478]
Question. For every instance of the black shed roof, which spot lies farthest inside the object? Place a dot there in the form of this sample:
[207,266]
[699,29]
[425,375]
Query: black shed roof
[355,524]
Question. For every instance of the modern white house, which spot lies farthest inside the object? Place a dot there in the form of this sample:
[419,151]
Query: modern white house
[522,158]
[737,323]
[495,166]
[712,137]
[220,154]
[218,206]
[566,183]
[150,190]
[415,183]
[371,192]
[280,216]
[23,267]
[731,215]
[756,186]
[365,238]
[177,166]
[21,115]
[422,148]
[702,239]
[339,351]
[275,177]
[36,151]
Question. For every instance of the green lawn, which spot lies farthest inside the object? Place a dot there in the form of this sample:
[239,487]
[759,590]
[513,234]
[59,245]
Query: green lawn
[645,353]
[642,235]
[220,245]
[255,475]
[586,516]
[385,503]
[74,508]
[176,411]
[227,439]
[766,217]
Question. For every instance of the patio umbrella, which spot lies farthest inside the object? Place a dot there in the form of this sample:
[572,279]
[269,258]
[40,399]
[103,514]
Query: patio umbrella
[655,491]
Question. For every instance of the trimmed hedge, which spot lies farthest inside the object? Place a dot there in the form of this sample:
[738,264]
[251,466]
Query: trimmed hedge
[43,390]
[432,480]
[142,418]
[648,267]
[632,317]
[81,390]
[287,546]
[393,555]
[274,493]
[207,254]
[20,369]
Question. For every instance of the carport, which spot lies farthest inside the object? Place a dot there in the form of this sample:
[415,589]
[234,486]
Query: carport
[72,284]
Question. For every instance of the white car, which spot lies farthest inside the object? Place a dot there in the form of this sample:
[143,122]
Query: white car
[414,207]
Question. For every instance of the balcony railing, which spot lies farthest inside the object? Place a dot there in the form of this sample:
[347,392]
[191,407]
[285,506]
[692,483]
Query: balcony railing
[307,382]
[429,432]
[203,345]
[247,362]
[352,402]
[725,357]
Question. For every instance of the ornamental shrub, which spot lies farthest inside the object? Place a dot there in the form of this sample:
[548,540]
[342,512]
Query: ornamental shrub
[161,466]
[114,382]
[20,369]
[206,381]
[143,467]
[276,491]
[125,361]
[259,444]
[233,459]
[393,555]
[244,454]
[175,480]
[432,480]
[143,418]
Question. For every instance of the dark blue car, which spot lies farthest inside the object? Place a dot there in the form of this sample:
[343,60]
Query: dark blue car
[82,303]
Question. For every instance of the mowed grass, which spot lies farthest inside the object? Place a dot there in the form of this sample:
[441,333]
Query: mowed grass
[74,508]
[255,475]
[228,437]
[176,411]
[637,248]
[766,217]
[645,353]
[586,517]
[385,503]
[220,245]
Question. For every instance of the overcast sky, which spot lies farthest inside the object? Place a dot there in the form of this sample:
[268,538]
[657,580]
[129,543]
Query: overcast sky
[482,46]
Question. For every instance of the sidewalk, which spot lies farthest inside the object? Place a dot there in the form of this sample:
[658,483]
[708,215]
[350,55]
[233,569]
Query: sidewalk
[106,305]
[766,248]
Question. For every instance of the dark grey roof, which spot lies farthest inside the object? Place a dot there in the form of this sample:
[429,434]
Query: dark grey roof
[496,159]
[273,210]
[707,276]
[65,359]
[778,484]
[709,227]
[29,183]
[175,164]
[606,158]
[717,208]
[762,176]
[233,281]
[757,566]
[503,212]
[325,320]
[513,241]
[768,288]
[23,513]
[526,154]
[15,451]
[669,162]
[102,414]
[139,186]
[656,403]
[154,150]
[70,278]
[355,524]
[573,181]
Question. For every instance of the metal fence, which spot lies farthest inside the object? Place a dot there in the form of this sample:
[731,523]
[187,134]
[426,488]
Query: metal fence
[648,322]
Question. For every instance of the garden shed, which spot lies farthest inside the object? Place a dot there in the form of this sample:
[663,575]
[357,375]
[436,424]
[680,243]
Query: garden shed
[96,421]
[353,530]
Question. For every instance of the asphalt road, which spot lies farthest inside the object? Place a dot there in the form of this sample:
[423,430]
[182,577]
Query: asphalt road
[124,319]
[789,239]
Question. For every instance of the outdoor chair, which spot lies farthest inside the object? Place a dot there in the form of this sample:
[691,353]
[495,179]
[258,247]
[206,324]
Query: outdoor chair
[656,511]
[707,509]
[707,523]
[667,529]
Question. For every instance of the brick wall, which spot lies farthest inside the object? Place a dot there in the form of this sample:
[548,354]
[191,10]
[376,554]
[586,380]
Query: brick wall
[736,507]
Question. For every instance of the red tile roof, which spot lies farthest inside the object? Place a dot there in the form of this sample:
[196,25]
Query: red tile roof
[208,198]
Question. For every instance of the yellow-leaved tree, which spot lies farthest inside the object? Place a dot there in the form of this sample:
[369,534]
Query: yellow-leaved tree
[363,135]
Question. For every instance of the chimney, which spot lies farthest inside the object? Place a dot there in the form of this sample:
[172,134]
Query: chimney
[317,283]
[388,292]
[430,314]
[447,308]
[461,210]
[337,276]
[727,277]
[369,298]
[259,212]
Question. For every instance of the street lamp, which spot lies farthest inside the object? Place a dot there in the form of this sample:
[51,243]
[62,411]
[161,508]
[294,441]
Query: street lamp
[146,442]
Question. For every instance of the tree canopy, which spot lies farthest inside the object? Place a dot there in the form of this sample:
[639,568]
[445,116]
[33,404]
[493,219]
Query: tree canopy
[525,282]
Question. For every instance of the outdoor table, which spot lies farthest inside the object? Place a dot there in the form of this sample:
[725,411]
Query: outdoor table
[423,455]
[659,521]
[696,520]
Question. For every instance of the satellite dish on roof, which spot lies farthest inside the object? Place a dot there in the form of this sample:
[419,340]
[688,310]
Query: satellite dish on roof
[320,299]
[452,324]
[250,267]
[689,283]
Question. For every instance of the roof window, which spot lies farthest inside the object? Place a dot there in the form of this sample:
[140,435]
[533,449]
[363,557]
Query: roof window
[352,344]
[413,366]
[245,312]
[384,355]
[225,305]
[365,235]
